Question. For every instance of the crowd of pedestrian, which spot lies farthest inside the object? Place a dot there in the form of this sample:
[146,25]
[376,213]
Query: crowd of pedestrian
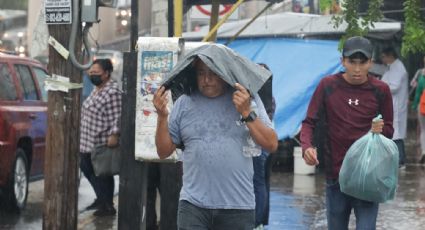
[224,129]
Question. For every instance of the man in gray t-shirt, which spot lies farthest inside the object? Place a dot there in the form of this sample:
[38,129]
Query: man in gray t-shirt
[217,190]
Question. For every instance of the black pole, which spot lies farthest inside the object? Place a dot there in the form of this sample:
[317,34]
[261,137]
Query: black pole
[134,26]
[170,18]
[312,7]
[133,179]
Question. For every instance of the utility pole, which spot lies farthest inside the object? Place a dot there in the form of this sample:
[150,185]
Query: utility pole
[133,174]
[62,140]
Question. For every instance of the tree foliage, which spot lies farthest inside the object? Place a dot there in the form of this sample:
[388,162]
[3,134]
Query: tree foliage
[414,28]
[357,25]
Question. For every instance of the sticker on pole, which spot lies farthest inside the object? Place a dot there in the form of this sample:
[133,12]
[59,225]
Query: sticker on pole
[58,11]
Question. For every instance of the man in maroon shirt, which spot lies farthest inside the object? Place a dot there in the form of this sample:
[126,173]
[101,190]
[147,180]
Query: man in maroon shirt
[346,103]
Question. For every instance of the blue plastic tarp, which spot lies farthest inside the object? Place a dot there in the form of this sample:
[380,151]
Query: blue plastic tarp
[297,66]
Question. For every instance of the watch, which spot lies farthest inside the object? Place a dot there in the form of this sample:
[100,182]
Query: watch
[251,117]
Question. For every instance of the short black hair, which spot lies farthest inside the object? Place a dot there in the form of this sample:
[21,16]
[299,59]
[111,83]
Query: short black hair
[105,64]
[390,51]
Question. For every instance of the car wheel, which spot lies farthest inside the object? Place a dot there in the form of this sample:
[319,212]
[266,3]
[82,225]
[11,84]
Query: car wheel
[17,190]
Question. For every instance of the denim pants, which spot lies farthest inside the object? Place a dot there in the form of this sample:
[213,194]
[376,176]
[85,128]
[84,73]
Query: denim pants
[339,205]
[260,188]
[103,186]
[191,217]
[401,152]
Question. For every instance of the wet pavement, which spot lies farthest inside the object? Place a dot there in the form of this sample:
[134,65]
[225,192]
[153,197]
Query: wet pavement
[297,202]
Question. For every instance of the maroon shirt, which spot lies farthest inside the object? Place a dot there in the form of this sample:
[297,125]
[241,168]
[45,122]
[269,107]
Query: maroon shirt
[347,112]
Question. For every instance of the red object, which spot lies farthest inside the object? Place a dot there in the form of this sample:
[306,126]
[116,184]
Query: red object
[146,112]
[23,121]
[422,103]
[348,111]
[221,12]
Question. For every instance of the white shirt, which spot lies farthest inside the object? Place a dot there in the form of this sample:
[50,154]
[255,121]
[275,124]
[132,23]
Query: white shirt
[397,79]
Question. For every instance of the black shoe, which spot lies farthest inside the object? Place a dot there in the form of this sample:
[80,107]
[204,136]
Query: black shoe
[105,210]
[95,205]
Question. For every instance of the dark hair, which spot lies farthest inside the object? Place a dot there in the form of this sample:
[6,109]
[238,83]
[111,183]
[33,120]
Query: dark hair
[266,94]
[389,51]
[105,64]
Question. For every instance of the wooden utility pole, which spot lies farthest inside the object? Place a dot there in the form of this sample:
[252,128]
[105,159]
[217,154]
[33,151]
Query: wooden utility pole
[215,5]
[133,174]
[62,140]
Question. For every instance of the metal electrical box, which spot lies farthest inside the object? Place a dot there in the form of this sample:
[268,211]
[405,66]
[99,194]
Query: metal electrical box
[89,11]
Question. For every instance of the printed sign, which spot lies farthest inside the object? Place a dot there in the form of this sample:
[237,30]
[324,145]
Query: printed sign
[156,57]
[154,65]
[58,11]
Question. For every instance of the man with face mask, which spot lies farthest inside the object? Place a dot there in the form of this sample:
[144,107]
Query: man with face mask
[100,125]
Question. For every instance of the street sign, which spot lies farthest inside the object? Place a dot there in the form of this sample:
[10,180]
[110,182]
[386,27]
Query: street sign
[204,11]
[58,11]
[224,10]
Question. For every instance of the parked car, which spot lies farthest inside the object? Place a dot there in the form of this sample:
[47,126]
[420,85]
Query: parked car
[23,126]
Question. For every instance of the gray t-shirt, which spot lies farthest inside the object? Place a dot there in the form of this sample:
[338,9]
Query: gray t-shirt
[216,174]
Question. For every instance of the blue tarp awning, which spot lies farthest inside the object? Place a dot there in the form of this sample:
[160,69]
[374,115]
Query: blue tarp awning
[297,66]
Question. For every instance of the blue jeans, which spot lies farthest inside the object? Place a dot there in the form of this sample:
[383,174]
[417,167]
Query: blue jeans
[260,188]
[191,217]
[339,205]
[401,152]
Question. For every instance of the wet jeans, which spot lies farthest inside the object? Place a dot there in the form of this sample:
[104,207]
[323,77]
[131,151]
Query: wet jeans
[339,205]
[260,188]
[191,217]
[103,186]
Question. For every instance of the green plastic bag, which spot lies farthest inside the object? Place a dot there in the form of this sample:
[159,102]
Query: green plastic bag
[370,169]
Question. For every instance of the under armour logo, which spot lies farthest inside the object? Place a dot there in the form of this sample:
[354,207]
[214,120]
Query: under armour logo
[355,102]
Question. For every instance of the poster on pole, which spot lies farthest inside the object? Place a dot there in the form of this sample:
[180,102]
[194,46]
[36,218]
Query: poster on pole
[58,11]
[156,57]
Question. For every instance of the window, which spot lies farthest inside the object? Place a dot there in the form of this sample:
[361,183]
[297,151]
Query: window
[41,77]
[7,88]
[27,83]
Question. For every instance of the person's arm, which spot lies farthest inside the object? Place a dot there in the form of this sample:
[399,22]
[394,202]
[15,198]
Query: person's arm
[387,115]
[309,124]
[164,144]
[419,89]
[263,135]
[113,117]
[415,79]
[395,77]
